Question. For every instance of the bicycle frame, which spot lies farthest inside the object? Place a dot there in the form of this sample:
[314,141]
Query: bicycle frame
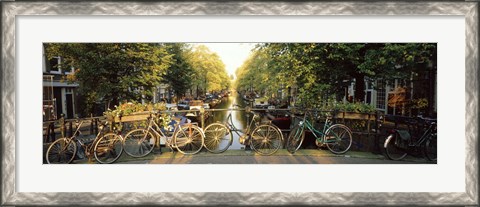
[319,135]
[78,129]
[233,128]
[88,148]
[159,133]
[418,142]
[74,136]
[398,145]
[424,136]
[157,130]
[65,149]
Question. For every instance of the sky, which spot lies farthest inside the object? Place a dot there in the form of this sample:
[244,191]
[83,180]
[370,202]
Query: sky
[232,54]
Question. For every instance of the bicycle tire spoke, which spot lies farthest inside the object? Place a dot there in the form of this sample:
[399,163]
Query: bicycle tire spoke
[183,133]
[196,145]
[196,134]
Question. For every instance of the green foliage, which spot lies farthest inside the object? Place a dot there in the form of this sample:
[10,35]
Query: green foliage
[128,108]
[110,72]
[180,74]
[396,60]
[420,103]
[210,73]
[331,105]
[322,71]
[355,107]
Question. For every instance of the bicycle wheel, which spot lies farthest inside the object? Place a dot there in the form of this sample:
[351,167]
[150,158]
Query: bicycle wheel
[61,151]
[430,149]
[295,139]
[338,138]
[266,139]
[392,151]
[139,143]
[188,139]
[217,138]
[108,148]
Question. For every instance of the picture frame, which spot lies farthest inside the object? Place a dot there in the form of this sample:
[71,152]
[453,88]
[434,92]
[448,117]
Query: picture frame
[11,10]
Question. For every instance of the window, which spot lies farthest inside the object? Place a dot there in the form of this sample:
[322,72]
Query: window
[54,65]
[381,95]
[369,97]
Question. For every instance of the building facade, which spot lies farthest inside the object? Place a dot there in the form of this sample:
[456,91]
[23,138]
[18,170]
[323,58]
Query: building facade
[409,97]
[59,96]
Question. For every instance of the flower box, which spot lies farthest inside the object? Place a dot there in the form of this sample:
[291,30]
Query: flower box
[355,115]
[139,116]
[132,111]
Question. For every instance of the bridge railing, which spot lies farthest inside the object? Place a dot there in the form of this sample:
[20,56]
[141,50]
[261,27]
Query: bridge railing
[365,126]
[63,127]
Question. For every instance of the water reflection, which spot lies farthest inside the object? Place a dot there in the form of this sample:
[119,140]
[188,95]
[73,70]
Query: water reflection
[239,118]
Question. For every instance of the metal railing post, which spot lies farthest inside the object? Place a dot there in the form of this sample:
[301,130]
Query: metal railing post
[63,128]
[202,116]
[50,133]
[376,140]
[70,129]
[95,128]
[91,124]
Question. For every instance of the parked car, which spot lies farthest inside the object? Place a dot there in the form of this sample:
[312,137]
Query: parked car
[183,105]
[171,107]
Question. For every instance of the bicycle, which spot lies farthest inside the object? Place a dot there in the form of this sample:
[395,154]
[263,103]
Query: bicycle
[337,137]
[264,139]
[106,148]
[187,138]
[399,143]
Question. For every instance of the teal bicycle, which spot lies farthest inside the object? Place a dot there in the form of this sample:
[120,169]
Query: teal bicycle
[337,137]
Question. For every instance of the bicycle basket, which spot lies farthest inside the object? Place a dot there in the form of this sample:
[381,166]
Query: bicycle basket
[80,152]
[402,138]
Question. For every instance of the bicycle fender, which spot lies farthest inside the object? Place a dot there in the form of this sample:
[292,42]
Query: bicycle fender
[390,137]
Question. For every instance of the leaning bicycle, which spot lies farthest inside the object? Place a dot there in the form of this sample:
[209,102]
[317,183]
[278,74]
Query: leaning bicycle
[106,147]
[399,142]
[265,139]
[187,138]
[337,137]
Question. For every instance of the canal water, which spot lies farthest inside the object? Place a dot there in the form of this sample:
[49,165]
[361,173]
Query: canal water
[239,118]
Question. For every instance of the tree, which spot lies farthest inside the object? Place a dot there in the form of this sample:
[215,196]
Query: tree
[254,75]
[110,72]
[180,74]
[412,62]
[210,72]
[322,71]
[296,65]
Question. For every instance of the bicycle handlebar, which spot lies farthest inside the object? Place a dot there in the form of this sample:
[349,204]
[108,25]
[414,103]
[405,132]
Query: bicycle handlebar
[427,119]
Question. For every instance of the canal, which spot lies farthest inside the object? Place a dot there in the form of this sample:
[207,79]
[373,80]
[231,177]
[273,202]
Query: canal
[239,118]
